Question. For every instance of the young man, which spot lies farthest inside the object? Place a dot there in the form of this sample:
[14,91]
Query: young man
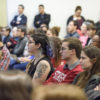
[70,51]
[19,19]
[72,29]
[41,18]
[19,48]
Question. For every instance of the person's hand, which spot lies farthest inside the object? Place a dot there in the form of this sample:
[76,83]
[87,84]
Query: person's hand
[8,44]
[97,88]
[17,22]
[38,22]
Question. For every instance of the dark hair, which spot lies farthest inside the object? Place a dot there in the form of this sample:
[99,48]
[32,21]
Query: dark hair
[92,52]
[45,45]
[74,43]
[15,85]
[7,28]
[74,22]
[55,43]
[23,29]
[78,8]
[21,6]
[39,31]
[41,5]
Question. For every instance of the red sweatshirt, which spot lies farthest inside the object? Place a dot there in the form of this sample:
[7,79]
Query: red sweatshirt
[64,75]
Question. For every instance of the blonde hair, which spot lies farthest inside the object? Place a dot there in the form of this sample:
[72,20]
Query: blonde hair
[59,92]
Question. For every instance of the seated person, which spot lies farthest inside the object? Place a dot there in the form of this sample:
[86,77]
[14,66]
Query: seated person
[4,56]
[15,85]
[6,34]
[55,44]
[70,52]
[19,48]
[54,31]
[90,62]
[72,30]
[40,68]
[59,92]
[13,40]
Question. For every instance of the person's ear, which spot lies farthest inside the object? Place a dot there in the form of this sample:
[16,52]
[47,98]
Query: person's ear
[38,45]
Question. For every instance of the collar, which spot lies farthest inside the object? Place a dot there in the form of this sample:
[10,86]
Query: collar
[71,67]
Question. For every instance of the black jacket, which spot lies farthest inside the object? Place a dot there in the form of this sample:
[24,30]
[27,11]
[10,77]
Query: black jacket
[42,19]
[23,21]
[89,89]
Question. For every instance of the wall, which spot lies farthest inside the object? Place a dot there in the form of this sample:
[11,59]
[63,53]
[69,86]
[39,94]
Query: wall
[3,13]
[60,10]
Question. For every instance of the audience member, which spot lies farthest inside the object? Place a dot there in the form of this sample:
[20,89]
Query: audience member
[4,55]
[55,44]
[77,17]
[19,19]
[6,33]
[96,40]
[84,36]
[72,30]
[59,92]
[54,31]
[41,18]
[13,40]
[89,61]
[15,85]
[70,51]
[40,68]
[20,46]
[44,27]
[91,31]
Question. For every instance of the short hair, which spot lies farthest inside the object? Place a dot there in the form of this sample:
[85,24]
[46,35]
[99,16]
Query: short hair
[91,27]
[15,85]
[7,28]
[74,22]
[41,5]
[23,29]
[59,92]
[78,8]
[74,43]
[21,6]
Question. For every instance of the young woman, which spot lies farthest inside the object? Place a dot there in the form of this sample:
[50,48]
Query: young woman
[40,68]
[56,60]
[77,16]
[90,61]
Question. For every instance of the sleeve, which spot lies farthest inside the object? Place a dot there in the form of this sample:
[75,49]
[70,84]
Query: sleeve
[24,20]
[46,20]
[35,21]
[69,19]
[18,50]
[13,22]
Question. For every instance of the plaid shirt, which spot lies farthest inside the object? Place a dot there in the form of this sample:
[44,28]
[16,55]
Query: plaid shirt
[4,63]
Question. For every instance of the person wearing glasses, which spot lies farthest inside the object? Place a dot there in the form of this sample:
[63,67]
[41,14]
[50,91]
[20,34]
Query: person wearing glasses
[70,51]
[40,68]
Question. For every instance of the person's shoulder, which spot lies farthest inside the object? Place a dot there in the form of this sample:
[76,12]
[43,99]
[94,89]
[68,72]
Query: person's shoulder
[78,68]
